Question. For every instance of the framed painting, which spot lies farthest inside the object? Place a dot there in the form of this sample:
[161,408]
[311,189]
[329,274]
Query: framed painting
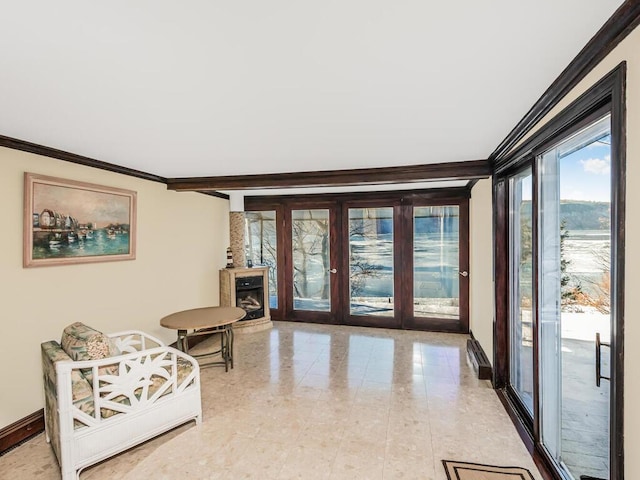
[68,222]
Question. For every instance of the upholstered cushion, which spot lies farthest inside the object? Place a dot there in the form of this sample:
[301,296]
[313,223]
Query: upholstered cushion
[82,342]
[81,391]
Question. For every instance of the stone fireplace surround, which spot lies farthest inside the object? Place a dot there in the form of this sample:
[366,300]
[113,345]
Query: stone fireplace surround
[228,297]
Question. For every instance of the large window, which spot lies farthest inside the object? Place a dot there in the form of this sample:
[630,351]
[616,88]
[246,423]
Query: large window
[559,256]
[262,247]
[521,286]
[371,272]
[436,261]
[575,299]
[311,266]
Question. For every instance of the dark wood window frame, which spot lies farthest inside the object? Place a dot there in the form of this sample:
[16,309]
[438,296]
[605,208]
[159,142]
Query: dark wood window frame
[403,203]
[608,95]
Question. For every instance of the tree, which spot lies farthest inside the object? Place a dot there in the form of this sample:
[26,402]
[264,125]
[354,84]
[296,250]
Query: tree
[361,269]
[261,243]
[310,249]
[526,256]
[569,291]
[310,243]
[599,292]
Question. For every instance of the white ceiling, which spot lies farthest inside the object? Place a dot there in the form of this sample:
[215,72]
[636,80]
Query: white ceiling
[210,87]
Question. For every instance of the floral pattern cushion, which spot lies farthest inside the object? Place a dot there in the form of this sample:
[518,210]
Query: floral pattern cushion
[82,342]
[81,391]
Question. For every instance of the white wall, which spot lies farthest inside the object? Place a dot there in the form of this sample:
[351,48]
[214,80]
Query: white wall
[181,242]
[481,265]
[628,50]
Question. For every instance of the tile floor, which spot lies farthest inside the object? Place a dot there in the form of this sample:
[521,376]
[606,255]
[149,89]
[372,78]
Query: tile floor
[321,402]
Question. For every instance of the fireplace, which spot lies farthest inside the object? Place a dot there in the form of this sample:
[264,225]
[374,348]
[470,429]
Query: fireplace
[247,288]
[250,296]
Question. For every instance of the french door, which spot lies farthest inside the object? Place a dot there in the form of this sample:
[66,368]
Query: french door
[437,267]
[310,263]
[371,264]
[394,262]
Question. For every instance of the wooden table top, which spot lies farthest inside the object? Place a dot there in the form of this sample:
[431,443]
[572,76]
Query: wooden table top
[206,317]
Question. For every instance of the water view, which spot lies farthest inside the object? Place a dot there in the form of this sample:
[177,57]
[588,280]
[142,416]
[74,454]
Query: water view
[99,242]
[436,276]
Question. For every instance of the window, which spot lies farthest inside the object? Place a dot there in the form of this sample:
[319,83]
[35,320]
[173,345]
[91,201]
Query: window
[262,247]
[390,260]
[559,256]
[575,298]
[436,261]
[521,286]
[371,273]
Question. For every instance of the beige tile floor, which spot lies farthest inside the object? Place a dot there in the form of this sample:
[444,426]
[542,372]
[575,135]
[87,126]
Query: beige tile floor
[321,402]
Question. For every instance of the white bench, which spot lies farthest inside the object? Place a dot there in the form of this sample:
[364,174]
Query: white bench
[95,409]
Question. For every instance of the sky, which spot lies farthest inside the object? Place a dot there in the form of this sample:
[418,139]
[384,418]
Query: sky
[84,205]
[586,173]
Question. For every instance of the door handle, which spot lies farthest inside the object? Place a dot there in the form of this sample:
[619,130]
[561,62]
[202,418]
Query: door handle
[599,346]
[333,270]
[464,273]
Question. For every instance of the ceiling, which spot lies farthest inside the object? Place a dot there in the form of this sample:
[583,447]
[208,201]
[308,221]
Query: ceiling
[212,88]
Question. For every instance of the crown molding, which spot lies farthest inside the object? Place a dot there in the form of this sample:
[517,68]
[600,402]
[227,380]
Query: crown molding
[624,20]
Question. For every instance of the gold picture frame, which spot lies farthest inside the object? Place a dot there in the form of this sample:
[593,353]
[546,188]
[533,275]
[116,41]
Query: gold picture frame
[70,222]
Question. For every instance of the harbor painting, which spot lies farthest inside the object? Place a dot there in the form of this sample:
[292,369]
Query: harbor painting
[68,222]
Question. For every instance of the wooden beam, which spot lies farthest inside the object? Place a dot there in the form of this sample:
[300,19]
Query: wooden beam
[443,195]
[470,170]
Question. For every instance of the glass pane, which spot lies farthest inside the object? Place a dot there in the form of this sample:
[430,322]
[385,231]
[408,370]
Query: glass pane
[371,261]
[575,262]
[262,247]
[521,282]
[436,262]
[310,244]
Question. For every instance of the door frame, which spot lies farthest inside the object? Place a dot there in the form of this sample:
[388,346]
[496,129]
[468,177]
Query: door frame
[371,320]
[333,316]
[402,202]
[606,95]
[436,324]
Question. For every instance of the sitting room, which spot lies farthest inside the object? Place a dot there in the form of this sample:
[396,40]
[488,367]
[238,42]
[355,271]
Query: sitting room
[320,241]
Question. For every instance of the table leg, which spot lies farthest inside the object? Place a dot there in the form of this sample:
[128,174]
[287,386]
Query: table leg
[226,345]
[230,344]
[223,348]
[227,352]
[183,341]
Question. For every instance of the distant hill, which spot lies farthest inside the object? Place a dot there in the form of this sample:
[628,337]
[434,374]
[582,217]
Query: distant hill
[585,215]
[578,215]
[582,215]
